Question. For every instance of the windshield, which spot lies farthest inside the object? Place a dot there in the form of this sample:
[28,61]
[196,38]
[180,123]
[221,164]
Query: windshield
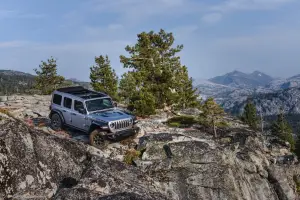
[98,104]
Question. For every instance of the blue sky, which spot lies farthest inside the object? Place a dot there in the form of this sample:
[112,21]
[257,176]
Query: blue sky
[218,35]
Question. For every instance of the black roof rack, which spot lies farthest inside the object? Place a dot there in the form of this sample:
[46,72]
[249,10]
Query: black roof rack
[82,92]
[71,89]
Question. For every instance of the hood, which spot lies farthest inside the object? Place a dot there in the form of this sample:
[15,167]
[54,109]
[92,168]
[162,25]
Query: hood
[110,115]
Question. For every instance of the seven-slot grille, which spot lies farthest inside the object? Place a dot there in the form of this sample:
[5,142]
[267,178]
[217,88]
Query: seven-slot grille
[121,124]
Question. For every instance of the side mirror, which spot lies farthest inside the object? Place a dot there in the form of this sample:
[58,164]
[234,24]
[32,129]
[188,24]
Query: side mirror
[82,111]
[115,104]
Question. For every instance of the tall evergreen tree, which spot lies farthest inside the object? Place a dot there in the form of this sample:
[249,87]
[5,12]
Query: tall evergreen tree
[154,66]
[283,130]
[47,79]
[103,77]
[186,93]
[127,86]
[212,114]
[249,116]
[142,102]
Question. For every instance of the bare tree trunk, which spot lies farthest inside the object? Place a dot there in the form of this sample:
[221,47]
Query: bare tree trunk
[215,130]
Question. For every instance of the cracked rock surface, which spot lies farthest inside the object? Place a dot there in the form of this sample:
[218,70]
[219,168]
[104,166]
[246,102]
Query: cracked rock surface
[177,164]
[36,165]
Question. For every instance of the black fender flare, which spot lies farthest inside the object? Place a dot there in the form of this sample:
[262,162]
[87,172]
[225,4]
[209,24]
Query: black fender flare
[96,125]
[59,113]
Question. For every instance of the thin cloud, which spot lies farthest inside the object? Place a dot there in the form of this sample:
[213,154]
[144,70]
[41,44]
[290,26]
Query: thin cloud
[13,44]
[115,26]
[235,5]
[6,13]
[136,11]
[14,14]
[212,17]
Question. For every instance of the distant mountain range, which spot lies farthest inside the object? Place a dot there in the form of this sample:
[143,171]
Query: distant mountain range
[16,82]
[257,82]
[269,94]
[242,80]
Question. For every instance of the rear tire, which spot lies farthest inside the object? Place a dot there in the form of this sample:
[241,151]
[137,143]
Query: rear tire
[98,139]
[56,122]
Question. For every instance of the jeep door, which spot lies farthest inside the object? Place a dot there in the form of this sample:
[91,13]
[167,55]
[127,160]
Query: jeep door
[67,110]
[79,118]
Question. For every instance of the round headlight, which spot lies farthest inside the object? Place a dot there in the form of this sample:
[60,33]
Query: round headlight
[112,125]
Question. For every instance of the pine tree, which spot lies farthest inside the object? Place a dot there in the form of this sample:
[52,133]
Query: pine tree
[154,65]
[47,79]
[249,116]
[212,114]
[186,93]
[127,86]
[283,130]
[103,77]
[142,103]
[297,146]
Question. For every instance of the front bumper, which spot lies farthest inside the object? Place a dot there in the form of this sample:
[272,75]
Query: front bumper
[123,134]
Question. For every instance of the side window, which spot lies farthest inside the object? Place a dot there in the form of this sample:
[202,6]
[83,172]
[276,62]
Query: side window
[106,102]
[57,99]
[67,102]
[78,105]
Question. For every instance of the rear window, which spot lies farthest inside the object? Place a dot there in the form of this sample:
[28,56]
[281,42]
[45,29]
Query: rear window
[57,99]
[67,102]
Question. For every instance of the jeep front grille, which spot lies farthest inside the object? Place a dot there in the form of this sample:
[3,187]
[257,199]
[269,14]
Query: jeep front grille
[120,124]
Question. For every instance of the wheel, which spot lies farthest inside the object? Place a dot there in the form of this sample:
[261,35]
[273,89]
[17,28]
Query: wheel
[56,122]
[97,139]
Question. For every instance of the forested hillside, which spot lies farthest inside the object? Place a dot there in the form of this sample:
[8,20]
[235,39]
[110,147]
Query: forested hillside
[16,82]
[12,82]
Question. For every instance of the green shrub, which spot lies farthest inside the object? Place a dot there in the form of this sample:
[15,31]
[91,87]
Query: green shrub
[222,124]
[4,111]
[131,155]
[297,182]
[174,124]
[226,140]
[180,121]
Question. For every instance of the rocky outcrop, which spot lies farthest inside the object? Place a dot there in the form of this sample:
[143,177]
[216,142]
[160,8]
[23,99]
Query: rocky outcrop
[36,165]
[174,163]
[236,166]
[26,106]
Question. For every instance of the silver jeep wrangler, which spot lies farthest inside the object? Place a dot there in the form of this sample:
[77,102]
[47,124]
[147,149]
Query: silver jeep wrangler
[91,112]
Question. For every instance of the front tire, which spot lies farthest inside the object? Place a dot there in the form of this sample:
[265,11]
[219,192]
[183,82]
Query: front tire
[98,139]
[56,122]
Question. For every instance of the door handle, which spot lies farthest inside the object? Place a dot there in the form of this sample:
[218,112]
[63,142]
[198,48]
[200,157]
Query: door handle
[73,114]
[64,110]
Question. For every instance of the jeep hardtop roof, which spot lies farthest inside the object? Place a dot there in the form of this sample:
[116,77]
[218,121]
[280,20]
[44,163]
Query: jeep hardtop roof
[82,92]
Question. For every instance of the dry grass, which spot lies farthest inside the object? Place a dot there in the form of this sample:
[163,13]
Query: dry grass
[4,111]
